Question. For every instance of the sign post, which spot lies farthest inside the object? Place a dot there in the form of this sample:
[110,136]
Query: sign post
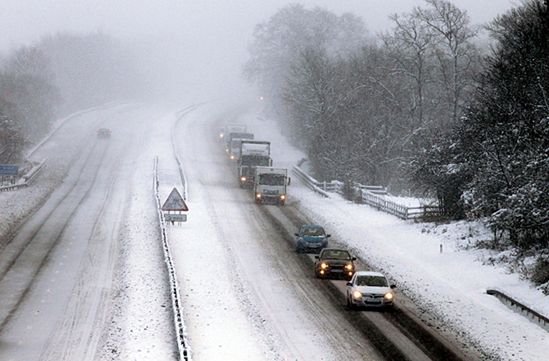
[9,171]
[175,203]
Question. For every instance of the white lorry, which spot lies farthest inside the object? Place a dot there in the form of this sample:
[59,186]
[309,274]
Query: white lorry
[230,128]
[234,144]
[270,185]
[253,153]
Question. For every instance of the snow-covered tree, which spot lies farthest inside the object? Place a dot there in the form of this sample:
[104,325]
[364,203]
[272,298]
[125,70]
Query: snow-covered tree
[282,42]
[26,83]
[504,137]
[11,139]
[456,54]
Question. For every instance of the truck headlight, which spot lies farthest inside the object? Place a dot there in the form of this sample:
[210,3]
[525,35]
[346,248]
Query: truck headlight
[283,197]
[232,157]
[243,179]
[357,295]
[324,265]
[388,296]
[258,195]
[221,135]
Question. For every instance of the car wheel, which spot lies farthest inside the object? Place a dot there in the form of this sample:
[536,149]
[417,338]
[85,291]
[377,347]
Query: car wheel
[350,304]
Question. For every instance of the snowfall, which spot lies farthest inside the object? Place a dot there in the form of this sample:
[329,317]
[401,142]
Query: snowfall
[432,264]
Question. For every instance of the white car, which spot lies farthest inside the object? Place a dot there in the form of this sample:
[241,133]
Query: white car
[369,289]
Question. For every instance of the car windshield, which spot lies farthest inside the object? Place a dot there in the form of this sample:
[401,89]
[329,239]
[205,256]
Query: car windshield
[272,179]
[336,254]
[373,281]
[316,231]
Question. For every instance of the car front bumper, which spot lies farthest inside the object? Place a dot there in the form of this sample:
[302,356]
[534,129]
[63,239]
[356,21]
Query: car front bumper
[311,246]
[372,301]
[335,273]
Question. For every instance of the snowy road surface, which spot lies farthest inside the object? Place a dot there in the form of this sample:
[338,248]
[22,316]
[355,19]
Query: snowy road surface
[245,296]
[83,276]
[252,273]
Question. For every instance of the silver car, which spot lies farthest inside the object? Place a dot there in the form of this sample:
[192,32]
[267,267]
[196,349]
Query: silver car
[369,289]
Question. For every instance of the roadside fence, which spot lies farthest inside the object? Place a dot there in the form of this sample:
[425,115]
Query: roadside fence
[370,195]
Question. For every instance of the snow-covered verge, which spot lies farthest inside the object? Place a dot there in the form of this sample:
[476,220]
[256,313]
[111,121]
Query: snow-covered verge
[451,285]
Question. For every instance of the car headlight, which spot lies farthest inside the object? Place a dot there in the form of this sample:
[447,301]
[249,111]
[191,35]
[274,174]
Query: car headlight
[349,266]
[283,197]
[324,265]
[243,179]
[258,195]
[357,295]
[388,296]
[232,156]
[221,135]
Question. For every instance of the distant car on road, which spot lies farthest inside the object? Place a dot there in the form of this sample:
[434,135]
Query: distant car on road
[103,133]
[311,237]
[369,289]
[334,263]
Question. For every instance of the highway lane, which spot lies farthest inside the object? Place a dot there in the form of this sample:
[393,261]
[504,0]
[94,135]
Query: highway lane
[297,319]
[261,239]
[65,273]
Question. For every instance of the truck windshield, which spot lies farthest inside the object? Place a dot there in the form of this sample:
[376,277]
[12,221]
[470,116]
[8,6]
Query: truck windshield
[237,135]
[255,160]
[272,179]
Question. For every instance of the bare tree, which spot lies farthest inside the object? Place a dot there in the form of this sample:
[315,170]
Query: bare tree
[409,45]
[456,54]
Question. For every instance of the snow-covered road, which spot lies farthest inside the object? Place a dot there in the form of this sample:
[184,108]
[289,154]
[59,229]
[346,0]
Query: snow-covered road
[448,288]
[83,276]
[246,296]
[73,283]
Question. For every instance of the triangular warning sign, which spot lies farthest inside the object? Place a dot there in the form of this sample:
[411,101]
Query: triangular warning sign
[175,202]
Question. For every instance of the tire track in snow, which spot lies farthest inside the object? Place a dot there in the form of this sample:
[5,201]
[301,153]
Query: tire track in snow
[26,262]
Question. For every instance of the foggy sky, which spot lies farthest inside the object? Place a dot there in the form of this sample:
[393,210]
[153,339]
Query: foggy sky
[207,36]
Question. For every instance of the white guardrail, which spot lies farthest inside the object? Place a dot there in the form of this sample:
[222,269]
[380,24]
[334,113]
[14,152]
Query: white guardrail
[26,179]
[180,329]
[180,114]
[370,195]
